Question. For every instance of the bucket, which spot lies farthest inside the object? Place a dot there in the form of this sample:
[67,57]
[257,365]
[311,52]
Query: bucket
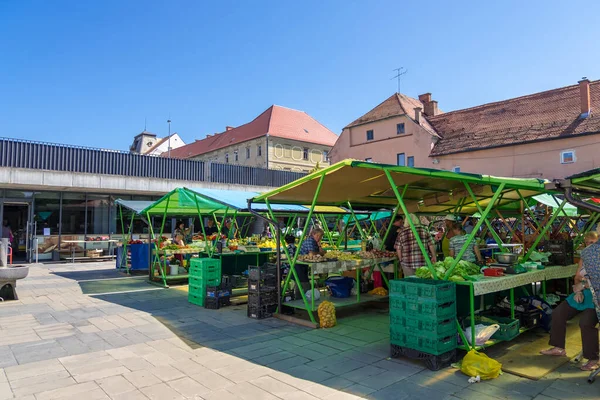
[174,269]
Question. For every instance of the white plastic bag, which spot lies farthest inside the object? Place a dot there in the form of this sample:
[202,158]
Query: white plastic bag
[483,333]
[317,294]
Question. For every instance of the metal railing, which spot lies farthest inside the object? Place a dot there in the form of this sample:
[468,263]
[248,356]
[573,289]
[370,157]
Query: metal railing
[18,153]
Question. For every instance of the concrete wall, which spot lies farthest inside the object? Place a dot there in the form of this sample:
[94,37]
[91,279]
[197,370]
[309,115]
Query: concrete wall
[386,143]
[254,160]
[286,154]
[27,179]
[535,160]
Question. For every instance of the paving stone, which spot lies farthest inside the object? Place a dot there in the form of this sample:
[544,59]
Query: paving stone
[212,380]
[5,391]
[360,374]
[33,369]
[80,390]
[115,385]
[274,386]
[133,395]
[288,363]
[220,394]
[141,379]
[188,387]
[44,386]
[39,379]
[359,390]
[247,391]
[161,391]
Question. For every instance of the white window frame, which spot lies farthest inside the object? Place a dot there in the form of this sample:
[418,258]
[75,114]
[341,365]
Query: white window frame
[259,151]
[369,160]
[562,157]
[456,168]
[247,153]
[226,158]
[235,156]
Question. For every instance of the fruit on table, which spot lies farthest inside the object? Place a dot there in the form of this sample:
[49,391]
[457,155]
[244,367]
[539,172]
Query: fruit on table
[267,244]
[313,258]
[326,313]
[341,255]
[379,292]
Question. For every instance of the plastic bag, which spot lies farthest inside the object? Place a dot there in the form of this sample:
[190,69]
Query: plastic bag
[483,333]
[326,313]
[478,364]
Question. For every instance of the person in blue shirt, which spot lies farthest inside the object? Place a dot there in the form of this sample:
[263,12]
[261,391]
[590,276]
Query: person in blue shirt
[310,246]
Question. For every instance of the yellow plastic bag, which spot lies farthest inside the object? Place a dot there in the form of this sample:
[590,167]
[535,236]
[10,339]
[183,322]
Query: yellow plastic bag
[476,363]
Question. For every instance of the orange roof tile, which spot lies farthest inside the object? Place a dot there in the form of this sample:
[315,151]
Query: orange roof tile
[276,121]
[554,114]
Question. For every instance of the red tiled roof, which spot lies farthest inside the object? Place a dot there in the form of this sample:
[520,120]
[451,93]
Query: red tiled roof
[554,114]
[277,121]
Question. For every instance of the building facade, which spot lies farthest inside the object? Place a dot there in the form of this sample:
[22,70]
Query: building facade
[148,144]
[278,139]
[548,135]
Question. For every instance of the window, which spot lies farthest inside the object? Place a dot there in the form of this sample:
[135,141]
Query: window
[400,129]
[235,155]
[259,151]
[368,159]
[410,161]
[456,169]
[247,152]
[73,214]
[226,158]
[325,156]
[567,157]
[401,160]
[370,135]
[305,153]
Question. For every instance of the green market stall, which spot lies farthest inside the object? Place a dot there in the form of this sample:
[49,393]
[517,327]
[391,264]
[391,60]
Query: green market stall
[361,185]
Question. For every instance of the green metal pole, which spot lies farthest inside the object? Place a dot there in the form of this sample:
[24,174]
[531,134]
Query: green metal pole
[127,266]
[360,230]
[588,228]
[544,230]
[512,303]
[124,238]
[411,224]
[156,257]
[471,235]
[487,223]
[472,314]
[389,228]
[162,228]
[202,225]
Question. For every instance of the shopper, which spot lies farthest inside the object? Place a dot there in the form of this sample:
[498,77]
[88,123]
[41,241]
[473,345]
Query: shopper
[390,241]
[448,221]
[410,255]
[580,302]
[458,241]
[227,230]
[210,228]
[180,233]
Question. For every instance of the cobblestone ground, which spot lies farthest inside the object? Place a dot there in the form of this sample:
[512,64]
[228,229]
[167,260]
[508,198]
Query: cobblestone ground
[58,343]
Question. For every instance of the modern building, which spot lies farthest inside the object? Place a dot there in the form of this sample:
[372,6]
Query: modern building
[54,197]
[278,139]
[550,135]
[148,144]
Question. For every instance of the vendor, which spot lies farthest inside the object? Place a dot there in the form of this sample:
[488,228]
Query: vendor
[226,230]
[459,238]
[448,221]
[390,241]
[310,246]
[180,233]
[580,302]
[410,255]
[210,228]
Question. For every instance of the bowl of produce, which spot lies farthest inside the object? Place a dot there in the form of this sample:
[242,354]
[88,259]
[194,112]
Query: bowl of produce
[507,258]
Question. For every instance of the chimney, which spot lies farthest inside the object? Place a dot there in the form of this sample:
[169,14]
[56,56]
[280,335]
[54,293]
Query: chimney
[418,111]
[228,128]
[425,98]
[430,107]
[584,94]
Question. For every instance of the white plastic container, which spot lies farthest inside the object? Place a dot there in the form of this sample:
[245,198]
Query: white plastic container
[174,269]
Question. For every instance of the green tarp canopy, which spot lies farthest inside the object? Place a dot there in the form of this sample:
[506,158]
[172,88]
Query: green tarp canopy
[424,190]
[550,201]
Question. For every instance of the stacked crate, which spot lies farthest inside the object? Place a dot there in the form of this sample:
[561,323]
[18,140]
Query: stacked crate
[562,252]
[262,290]
[218,296]
[204,273]
[423,320]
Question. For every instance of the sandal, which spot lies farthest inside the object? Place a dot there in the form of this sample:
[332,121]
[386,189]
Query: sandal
[554,351]
[591,365]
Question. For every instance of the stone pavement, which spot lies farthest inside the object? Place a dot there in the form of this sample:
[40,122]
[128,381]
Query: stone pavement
[58,343]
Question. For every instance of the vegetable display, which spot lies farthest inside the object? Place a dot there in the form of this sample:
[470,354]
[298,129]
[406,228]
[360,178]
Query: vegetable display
[463,269]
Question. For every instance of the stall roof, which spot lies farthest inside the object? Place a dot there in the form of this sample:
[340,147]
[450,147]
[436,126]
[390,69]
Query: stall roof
[587,180]
[182,201]
[427,190]
[550,201]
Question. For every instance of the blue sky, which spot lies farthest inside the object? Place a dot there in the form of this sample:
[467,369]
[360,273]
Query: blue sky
[89,73]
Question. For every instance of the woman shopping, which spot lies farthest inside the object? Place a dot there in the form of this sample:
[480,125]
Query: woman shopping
[409,253]
[581,301]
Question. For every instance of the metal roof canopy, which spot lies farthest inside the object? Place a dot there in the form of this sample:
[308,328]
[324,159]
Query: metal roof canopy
[424,190]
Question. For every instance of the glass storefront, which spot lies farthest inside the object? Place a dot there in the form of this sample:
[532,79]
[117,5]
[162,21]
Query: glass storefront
[58,223]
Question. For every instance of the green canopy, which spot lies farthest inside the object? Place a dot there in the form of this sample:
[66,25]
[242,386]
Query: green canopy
[550,201]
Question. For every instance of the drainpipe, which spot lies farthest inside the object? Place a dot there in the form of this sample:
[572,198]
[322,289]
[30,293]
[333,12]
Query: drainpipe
[567,189]
[267,151]
[277,243]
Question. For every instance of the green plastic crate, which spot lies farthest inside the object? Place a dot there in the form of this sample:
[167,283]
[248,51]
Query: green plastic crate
[435,346]
[419,327]
[196,299]
[509,328]
[197,290]
[425,289]
[401,306]
[195,281]
[205,268]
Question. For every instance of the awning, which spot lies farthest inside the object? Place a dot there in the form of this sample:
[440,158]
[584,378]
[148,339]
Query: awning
[550,201]
[424,190]
[134,205]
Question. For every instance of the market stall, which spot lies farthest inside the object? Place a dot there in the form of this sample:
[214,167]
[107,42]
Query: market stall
[425,192]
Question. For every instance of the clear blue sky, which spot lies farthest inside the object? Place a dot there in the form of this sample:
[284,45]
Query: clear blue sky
[89,72]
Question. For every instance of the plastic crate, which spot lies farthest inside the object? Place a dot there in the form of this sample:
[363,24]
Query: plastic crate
[435,346]
[197,290]
[196,299]
[195,281]
[420,327]
[401,306]
[205,268]
[426,289]
[259,285]
[509,328]
[261,312]
[265,271]
[433,362]
[216,292]
[263,297]
[213,303]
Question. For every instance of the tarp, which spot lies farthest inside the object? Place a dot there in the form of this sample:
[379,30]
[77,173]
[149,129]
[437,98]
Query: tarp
[550,201]
[424,190]
[134,205]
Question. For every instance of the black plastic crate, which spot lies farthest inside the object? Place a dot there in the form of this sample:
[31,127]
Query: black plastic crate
[265,271]
[433,362]
[260,311]
[214,303]
[255,286]
[529,319]
[263,297]
[562,259]
[559,246]
[217,291]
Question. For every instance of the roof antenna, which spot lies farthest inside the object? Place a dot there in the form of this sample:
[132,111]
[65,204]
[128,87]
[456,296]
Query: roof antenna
[399,72]
[169,139]
[144,124]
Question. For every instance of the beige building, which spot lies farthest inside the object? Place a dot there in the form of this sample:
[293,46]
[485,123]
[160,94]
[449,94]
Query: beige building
[549,135]
[280,138]
[148,144]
